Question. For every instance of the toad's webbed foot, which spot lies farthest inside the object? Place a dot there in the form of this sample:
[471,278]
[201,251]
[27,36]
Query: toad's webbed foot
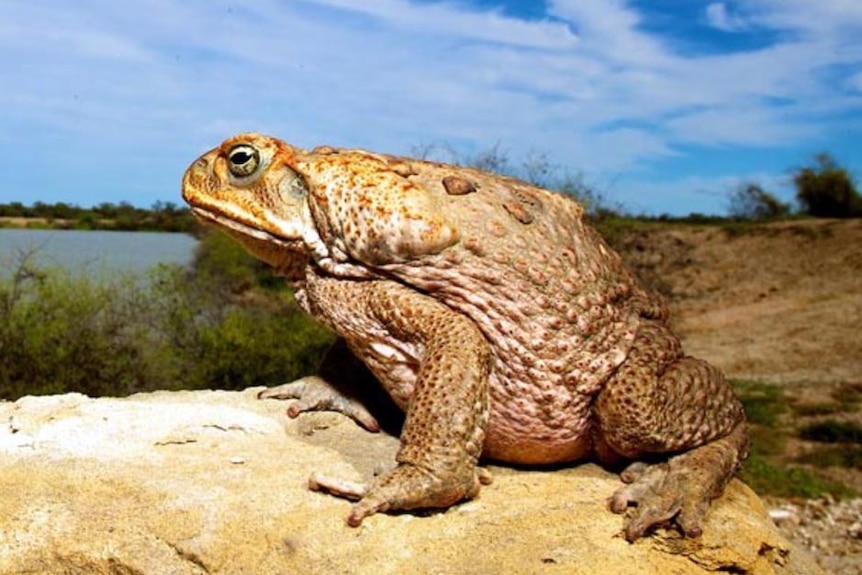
[661,495]
[315,394]
[405,487]
[680,490]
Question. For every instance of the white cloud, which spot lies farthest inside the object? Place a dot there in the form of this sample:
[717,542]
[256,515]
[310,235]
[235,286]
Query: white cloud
[813,18]
[153,83]
[719,16]
[450,20]
[743,125]
[610,32]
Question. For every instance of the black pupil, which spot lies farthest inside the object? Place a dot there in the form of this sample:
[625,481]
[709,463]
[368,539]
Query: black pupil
[240,158]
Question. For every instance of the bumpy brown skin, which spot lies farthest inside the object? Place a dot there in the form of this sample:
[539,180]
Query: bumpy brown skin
[492,314]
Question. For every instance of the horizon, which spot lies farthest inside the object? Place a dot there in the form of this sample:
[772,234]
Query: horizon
[664,107]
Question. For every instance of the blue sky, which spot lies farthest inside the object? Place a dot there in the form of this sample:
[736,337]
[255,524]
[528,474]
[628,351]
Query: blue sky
[662,105]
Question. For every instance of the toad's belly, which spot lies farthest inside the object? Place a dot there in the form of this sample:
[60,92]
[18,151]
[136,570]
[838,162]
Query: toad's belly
[537,428]
[533,419]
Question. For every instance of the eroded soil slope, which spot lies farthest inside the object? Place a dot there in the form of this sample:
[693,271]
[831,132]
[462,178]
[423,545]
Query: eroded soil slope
[779,302]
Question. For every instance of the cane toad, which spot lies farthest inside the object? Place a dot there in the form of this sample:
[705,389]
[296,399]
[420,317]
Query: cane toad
[495,317]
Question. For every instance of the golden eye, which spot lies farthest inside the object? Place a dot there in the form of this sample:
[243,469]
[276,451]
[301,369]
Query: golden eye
[243,160]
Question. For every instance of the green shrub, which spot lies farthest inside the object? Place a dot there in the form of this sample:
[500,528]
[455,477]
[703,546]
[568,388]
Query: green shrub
[224,266]
[255,347]
[832,431]
[827,190]
[59,333]
[817,408]
[848,394]
[175,328]
[765,469]
[751,202]
[221,263]
[228,342]
[848,456]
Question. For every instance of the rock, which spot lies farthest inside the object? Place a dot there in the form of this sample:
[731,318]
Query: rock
[784,516]
[211,482]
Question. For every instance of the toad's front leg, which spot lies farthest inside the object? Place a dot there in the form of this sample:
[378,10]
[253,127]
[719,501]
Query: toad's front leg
[447,414]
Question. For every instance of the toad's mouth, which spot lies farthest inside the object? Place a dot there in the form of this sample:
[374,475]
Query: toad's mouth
[244,229]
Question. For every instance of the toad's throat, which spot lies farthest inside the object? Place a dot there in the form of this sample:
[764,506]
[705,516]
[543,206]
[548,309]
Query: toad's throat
[244,229]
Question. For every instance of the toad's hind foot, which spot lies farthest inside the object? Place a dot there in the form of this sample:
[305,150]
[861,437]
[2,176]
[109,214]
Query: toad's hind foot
[404,488]
[678,491]
[661,496]
[313,393]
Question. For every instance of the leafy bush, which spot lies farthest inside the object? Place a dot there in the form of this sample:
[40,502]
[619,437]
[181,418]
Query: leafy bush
[766,470]
[173,329]
[232,342]
[222,266]
[849,456]
[848,394]
[810,409]
[827,190]
[60,334]
[764,403]
[751,202]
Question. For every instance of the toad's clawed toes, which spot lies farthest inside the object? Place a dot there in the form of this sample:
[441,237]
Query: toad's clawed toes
[405,487]
[336,486]
[662,494]
[315,394]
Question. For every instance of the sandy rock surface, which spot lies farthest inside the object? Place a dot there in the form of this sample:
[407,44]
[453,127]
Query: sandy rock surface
[215,483]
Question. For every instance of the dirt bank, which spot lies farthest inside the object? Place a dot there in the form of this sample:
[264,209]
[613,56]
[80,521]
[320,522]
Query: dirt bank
[778,302]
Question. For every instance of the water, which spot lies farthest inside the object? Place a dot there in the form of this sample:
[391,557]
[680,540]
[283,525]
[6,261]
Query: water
[95,253]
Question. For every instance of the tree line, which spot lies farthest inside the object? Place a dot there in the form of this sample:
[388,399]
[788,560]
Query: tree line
[161,216]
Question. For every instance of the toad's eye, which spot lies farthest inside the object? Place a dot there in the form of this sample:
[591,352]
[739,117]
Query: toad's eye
[243,160]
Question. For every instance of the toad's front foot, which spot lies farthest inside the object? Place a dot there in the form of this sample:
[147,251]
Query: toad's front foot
[405,487]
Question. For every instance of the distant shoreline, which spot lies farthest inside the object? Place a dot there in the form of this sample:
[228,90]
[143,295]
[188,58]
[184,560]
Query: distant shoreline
[36,223]
[102,225]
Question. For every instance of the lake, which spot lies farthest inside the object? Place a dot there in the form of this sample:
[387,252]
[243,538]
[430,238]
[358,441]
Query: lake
[95,252]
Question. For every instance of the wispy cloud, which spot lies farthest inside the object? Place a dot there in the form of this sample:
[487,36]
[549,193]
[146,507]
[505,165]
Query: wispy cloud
[720,16]
[119,98]
[840,17]
[446,19]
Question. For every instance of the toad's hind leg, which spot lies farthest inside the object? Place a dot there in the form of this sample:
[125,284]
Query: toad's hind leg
[658,403]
